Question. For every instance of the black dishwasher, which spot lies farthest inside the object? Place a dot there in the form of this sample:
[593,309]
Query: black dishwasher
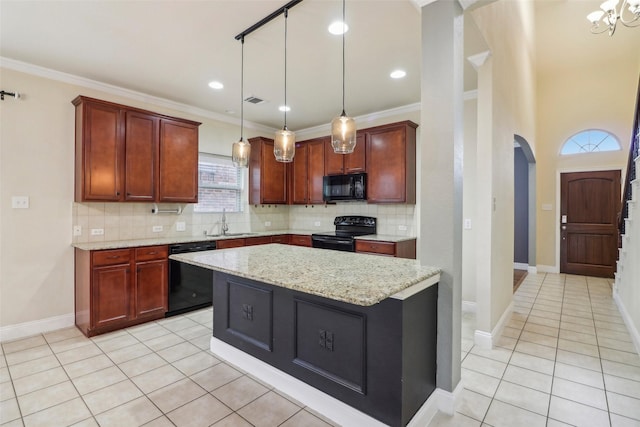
[190,286]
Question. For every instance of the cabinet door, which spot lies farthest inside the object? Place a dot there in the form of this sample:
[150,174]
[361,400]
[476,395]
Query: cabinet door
[333,163]
[299,180]
[151,285]
[386,154]
[141,152]
[315,172]
[100,145]
[274,176]
[110,296]
[300,240]
[178,181]
[229,243]
[356,161]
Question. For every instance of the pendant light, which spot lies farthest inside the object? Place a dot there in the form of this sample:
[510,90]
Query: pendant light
[343,127]
[284,147]
[242,149]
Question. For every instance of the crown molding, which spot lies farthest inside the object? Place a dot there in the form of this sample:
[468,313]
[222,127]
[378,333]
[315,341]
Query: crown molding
[48,73]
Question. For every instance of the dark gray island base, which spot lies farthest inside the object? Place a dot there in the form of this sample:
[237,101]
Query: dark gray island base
[379,359]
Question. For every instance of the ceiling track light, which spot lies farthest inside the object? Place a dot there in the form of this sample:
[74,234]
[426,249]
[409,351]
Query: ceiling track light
[606,19]
[241,150]
[284,146]
[343,127]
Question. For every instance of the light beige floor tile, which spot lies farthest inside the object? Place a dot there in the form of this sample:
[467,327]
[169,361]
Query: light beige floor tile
[195,363]
[502,414]
[111,396]
[157,378]
[619,356]
[98,379]
[268,410]
[547,307]
[523,397]
[204,316]
[9,411]
[601,325]
[304,418]
[578,336]
[70,344]
[64,414]
[6,392]
[87,366]
[515,324]
[27,355]
[479,383]
[577,359]
[579,375]
[616,344]
[239,392]
[175,395]
[566,318]
[472,404]
[614,335]
[535,338]
[484,365]
[77,354]
[142,364]
[46,398]
[554,423]
[496,353]
[132,414]
[506,342]
[34,366]
[620,421]
[610,319]
[528,378]
[89,422]
[195,332]
[576,327]
[545,314]
[178,351]
[14,423]
[62,334]
[233,420]
[109,336]
[125,354]
[578,347]
[552,323]
[216,376]
[117,342]
[157,344]
[621,370]
[162,421]
[537,350]
[577,414]
[580,393]
[541,329]
[511,333]
[150,332]
[4,375]
[533,363]
[23,344]
[205,410]
[624,405]
[178,323]
[622,386]
[40,380]
[457,420]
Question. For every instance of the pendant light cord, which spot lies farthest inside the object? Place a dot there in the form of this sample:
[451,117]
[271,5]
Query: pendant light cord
[242,91]
[286,16]
[343,31]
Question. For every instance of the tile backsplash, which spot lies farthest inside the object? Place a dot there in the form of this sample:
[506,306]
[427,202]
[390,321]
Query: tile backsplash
[122,221]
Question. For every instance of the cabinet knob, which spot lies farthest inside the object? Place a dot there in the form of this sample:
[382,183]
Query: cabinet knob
[117,193]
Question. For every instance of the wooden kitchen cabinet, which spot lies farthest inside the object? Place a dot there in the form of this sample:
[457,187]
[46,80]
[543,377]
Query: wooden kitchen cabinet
[339,164]
[402,249]
[391,163]
[117,288]
[307,172]
[267,177]
[229,243]
[128,154]
[283,239]
[300,240]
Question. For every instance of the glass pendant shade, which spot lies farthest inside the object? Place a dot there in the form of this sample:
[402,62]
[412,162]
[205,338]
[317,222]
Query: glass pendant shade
[343,134]
[240,153]
[284,147]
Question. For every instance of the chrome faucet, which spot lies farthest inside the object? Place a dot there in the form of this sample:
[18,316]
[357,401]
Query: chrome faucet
[225,226]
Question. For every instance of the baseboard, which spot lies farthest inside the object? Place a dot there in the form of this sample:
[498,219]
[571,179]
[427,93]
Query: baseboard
[633,330]
[27,329]
[532,270]
[485,339]
[548,268]
[328,406]
[520,266]
[469,306]
[447,400]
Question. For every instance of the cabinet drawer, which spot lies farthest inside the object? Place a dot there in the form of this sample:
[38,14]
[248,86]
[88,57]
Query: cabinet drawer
[262,240]
[111,257]
[229,243]
[282,238]
[149,253]
[384,248]
[301,240]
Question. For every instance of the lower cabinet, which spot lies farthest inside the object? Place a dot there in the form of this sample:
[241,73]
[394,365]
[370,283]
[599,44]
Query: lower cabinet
[402,249]
[300,240]
[119,288]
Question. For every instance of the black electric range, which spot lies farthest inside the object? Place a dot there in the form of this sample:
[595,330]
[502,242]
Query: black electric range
[347,227]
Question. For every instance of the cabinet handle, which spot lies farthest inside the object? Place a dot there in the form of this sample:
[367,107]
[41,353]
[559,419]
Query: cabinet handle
[113,257]
[152,253]
[117,193]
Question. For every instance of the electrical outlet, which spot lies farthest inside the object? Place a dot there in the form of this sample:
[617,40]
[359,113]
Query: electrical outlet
[316,223]
[181,226]
[156,228]
[97,231]
[20,202]
[467,224]
[267,223]
[77,230]
[402,227]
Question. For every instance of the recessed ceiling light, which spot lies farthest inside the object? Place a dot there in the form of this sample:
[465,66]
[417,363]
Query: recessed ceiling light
[338,28]
[284,108]
[398,74]
[216,85]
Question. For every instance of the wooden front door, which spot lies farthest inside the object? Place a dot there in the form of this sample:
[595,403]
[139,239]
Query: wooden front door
[588,227]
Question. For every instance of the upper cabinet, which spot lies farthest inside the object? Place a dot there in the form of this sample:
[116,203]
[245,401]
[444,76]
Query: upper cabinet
[391,163]
[127,154]
[339,164]
[308,170]
[267,177]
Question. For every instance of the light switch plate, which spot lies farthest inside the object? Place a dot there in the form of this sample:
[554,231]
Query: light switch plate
[316,223]
[77,230]
[20,202]
[267,223]
[97,231]
[156,228]
[467,224]
[402,227]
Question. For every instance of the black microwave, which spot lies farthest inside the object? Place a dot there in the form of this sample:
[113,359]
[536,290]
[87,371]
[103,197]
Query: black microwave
[337,188]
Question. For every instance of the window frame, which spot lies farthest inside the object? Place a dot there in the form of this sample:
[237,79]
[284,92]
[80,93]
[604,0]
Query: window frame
[204,157]
[570,140]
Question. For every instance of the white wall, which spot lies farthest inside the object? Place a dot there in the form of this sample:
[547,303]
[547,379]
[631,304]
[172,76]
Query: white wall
[469,202]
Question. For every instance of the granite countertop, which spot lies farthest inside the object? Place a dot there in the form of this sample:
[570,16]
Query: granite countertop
[121,244]
[343,276]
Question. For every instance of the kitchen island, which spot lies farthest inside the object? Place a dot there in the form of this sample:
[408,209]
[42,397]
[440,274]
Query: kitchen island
[360,328]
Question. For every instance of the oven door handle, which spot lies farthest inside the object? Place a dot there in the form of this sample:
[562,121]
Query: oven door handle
[332,240]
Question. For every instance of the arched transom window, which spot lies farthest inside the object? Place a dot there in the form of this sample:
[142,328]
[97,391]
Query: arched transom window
[589,141]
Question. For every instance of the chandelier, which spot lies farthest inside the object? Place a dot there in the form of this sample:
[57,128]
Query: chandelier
[607,18]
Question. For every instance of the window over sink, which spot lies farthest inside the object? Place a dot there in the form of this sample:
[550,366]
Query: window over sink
[220,184]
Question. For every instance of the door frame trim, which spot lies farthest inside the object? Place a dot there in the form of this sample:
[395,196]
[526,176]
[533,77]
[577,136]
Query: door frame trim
[559,172]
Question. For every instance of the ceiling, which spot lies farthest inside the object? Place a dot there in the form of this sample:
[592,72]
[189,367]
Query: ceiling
[173,49]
